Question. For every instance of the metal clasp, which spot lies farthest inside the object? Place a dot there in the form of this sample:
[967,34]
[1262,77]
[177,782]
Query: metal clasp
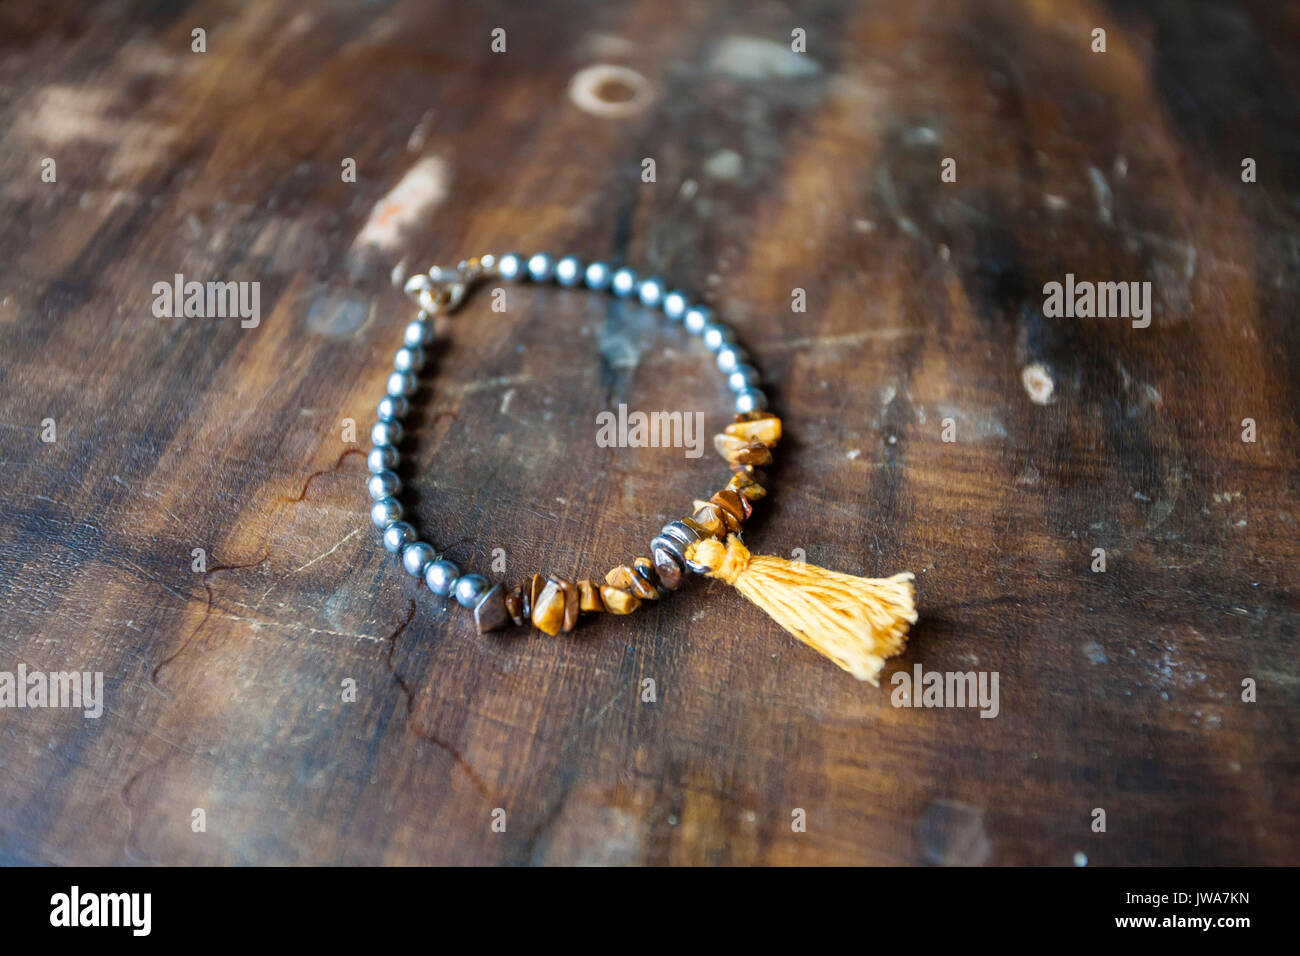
[441,291]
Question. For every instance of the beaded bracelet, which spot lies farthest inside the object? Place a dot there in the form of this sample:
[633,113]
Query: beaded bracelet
[856,622]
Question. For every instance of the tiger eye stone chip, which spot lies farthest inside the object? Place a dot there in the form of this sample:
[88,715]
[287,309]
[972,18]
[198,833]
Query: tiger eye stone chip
[625,578]
[737,451]
[548,608]
[733,504]
[571,597]
[746,487]
[618,601]
[529,591]
[515,604]
[589,598]
[765,430]
[710,516]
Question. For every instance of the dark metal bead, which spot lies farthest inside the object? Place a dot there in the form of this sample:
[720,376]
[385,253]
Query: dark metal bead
[490,611]
[669,568]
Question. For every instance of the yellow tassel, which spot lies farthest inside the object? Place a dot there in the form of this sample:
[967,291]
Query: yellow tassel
[856,622]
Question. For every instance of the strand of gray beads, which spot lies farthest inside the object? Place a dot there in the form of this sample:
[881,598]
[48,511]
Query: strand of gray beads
[732,360]
[419,558]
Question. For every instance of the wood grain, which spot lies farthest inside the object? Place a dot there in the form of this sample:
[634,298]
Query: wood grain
[774,171]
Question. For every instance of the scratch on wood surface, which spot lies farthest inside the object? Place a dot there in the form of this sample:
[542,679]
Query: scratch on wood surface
[325,554]
[427,734]
[302,494]
[207,613]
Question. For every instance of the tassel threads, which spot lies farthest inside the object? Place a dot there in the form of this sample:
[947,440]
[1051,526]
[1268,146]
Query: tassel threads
[856,622]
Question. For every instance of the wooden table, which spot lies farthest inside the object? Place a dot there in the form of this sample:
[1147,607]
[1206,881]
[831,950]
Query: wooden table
[774,171]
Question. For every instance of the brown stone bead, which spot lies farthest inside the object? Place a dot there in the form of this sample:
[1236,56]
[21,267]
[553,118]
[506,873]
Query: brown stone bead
[532,589]
[668,569]
[733,506]
[755,453]
[620,577]
[515,604]
[728,447]
[646,569]
[529,589]
[490,611]
[737,451]
[570,603]
[699,528]
[757,474]
[753,416]
[642,580]
[618,601]
[713,518]
[765,430]
[589,598]
[746,487]
[548,609]
[625,578]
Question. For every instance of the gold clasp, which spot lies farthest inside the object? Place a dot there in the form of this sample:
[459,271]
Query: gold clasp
[441,291]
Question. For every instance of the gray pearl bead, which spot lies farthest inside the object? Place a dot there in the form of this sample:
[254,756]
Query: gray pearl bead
[385,511]
[392,407]
[623,283]
[469,589]
[384,484]
[382,458]
[716,335]
[402,383]
[597,276]
[541,268]
[386,433]
[743,377]
[418,332]
[696,318]
[441,577]
[416,557]
[409,359]
[750,400]
[568,271]
[511,266]
[651,292]
[730,358]
[675,306]
[397,536]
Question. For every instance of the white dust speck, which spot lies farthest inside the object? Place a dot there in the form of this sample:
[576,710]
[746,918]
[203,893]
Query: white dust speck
[759,58]
[1038,383]
[725,164]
